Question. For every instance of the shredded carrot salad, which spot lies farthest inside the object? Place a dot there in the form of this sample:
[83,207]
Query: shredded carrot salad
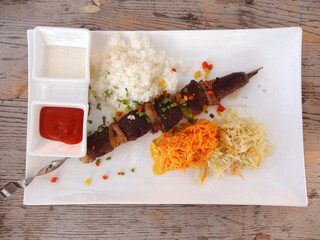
[184,147]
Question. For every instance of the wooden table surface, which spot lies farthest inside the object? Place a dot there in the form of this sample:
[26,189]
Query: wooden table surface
[165,221]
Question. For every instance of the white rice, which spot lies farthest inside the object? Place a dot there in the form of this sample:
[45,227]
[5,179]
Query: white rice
[130,70]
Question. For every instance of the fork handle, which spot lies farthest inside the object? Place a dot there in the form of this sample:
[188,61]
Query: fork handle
[11,187]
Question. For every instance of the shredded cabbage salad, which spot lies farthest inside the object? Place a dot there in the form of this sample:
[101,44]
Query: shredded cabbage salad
[242,145]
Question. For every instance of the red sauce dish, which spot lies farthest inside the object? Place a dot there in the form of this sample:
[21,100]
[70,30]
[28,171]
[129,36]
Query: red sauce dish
[62,124]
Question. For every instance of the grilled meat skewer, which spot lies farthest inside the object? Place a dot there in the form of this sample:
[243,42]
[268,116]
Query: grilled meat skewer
[163,113]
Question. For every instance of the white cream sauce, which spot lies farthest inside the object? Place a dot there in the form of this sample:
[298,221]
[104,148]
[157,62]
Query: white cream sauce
[64,62]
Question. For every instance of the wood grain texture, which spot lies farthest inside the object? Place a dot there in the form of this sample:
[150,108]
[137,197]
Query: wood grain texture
[164,221]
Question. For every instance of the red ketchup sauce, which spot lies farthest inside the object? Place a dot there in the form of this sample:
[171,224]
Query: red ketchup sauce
[61,124]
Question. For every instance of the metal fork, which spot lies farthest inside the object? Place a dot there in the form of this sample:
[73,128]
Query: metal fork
[11,187]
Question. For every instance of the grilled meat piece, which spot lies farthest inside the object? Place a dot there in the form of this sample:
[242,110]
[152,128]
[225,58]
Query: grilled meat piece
[193,90]
[98,144]
[206,87]
[134,126]
[153,116]
[169,114]
[87,159]
[228,84]
[116,136]
[177,98]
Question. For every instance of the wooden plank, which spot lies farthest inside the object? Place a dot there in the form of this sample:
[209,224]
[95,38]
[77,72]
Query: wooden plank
[152,222]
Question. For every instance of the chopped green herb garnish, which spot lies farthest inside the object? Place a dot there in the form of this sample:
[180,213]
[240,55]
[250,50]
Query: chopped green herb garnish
[174,104]
[184,104]
[132,169]
[89,121]
[186,113]
[116,87]
[163,109]
[126,89]
[206,111]
[100,129]
[89,109]
[136,103]
[95,97]
[98,106]
[129,107]
[122,173]
[104,120]
[168,107]
[89,87]
[98,160]
[165,100]
[109,73]
[123,101]
[140,114]
[211,115]
[114,119]
[108,94]
[152,102]
[148,120]
[185,90]
[165,117]
[108,158]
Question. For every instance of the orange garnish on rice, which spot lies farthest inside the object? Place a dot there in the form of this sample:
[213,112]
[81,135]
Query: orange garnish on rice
[184,147]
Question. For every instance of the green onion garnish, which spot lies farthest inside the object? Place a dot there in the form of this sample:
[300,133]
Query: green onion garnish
[148,120]
[174,104]
[104,120]
[108,94]
[211,115]
[98,106]
[100,129]
[140,114]
[165,100]
[132,169]
[89,121]
[108,158]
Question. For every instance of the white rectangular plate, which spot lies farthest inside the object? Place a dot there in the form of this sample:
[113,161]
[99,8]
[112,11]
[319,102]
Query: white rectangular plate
[273,96]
